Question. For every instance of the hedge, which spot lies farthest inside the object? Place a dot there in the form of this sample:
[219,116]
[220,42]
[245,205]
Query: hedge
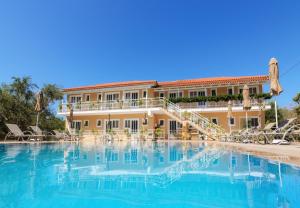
[264,96]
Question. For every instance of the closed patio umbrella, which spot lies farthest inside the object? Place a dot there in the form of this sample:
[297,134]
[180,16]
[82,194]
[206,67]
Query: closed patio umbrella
[275,87]
[229,114]
[39,106]
[246,102]
[70,119]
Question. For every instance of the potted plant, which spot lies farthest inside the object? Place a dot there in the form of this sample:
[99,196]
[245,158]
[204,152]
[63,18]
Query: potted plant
[158,132]
[186,115]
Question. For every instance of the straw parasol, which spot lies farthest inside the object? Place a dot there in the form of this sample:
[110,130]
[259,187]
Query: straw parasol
[39,106]
[229,113]
[246,102]
[246,98]
[70,119]
[275,87]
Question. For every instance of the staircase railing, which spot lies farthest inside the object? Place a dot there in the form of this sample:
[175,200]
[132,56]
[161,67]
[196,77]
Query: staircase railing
[199,122]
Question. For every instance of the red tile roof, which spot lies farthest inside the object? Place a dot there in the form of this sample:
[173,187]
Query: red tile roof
[111,85]
[197,82]
[215,81]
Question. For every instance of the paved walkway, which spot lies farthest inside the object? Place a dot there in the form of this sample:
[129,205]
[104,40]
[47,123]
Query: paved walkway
[283,153]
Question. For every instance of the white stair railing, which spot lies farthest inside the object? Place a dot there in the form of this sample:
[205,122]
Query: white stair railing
[201,123]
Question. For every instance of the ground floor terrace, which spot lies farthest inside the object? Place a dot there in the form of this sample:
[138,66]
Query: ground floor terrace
[158,125]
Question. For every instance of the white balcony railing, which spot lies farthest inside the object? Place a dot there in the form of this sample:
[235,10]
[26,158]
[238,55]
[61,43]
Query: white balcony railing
[111,105]
[143,103]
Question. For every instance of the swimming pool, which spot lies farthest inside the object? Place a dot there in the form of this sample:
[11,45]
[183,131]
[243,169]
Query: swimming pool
[142,174]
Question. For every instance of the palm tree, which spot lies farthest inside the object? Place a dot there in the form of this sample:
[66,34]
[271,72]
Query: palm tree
[51,93]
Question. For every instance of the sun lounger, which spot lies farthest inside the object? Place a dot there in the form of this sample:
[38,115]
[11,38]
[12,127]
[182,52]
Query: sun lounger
[61,135]
[16,132]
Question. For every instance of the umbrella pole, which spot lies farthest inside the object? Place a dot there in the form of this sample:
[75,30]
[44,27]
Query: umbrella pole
[229,123]
[276,114]
[37,119]
[247,121]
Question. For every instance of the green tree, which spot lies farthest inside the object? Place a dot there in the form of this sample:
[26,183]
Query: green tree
[297,100]
[52,93]
[17,103]
[270,115]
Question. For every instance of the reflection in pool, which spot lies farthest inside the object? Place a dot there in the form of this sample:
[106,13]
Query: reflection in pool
[142,174]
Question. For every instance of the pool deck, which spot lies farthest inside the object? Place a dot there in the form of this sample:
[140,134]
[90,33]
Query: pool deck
[281,153]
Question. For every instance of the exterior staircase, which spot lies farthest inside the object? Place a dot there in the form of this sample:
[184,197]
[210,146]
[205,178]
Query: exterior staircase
[200,123]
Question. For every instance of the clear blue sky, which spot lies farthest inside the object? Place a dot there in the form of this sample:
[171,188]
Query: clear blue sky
[85,42]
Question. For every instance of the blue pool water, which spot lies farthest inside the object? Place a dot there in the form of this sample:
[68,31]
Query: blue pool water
[145,174]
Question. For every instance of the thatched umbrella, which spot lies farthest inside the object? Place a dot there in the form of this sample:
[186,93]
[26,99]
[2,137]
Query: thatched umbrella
[246,102]
[109,123]
[71,117]
[275,87]
[262,107]
[229,114]
[39,106]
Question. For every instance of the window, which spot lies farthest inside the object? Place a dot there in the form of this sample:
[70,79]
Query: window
[76,125]
[193,94]
[127,124]
[201,93]
[87,98]
[252,90]
[144,94]
[114,124]
[161,95]
[230,91]
[112,97]
[98,123]
[175,94]
[214,120]
[161,122]
[174,126]
[131,95]
[86,123]
[132,125]
[213,92]
[75,99]
[99,97]
[253,122]
[172,95]
[231,121]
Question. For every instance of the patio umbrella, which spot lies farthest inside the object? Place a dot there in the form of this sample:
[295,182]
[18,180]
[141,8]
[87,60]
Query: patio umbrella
[262,107]
[70,119]
[246,102]
[275,87]
[229,113]
[39,106]
[109,122]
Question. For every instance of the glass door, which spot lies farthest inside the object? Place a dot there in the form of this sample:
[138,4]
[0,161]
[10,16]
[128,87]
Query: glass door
[132,98]
[202,103]
[132,125]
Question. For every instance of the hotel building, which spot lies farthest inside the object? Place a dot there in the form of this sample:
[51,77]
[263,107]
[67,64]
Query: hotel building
[136,107]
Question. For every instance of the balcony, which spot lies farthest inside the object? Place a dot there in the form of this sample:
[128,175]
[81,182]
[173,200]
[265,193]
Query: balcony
[153,104]
[114,106]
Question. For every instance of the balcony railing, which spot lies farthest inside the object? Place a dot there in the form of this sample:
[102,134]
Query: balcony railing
[111,105]
[142,103]
[219,104]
